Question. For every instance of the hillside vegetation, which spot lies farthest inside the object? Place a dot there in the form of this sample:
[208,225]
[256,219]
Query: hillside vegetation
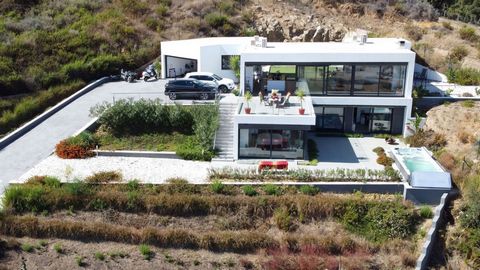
[46,46]
[51,48]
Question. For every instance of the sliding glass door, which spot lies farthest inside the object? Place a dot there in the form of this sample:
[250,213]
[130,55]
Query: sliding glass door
[271,143]
[372,120]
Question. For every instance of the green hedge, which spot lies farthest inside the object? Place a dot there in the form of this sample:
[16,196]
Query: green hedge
[127,117]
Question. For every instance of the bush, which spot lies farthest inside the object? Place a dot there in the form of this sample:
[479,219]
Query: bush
[385,160]
[133,185]
[464,76]
[457,54]
[190,150]
[312,149]
[249,190]
[58,248]
[145,251]
[447,25]
[413,32]
[25,198]
[27,247]
[379,150]
[79,261]
[427,138]
[79,146]
[426,212]
[271,189]
[282,219]
[308,190]
[468,103]
[100,256]
[104,177]
[468,33]
[180,185]
[465,137]
[215,19]
[217,187]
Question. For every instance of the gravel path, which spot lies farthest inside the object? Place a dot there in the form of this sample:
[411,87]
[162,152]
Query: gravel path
[147,170]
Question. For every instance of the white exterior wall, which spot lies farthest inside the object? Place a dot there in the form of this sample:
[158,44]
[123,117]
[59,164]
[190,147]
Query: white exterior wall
[212,59]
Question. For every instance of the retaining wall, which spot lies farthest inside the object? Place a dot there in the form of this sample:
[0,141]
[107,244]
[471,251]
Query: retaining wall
[438,222]
[42,117]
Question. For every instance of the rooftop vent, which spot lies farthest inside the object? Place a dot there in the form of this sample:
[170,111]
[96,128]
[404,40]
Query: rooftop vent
[258,41]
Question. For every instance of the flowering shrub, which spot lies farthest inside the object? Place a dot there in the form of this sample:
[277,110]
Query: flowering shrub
[79,146]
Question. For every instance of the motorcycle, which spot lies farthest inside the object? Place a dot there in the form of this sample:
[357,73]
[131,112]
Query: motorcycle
[149,73]
[128,76]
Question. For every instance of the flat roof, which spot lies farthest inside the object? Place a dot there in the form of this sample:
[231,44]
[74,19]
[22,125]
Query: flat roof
[373,45]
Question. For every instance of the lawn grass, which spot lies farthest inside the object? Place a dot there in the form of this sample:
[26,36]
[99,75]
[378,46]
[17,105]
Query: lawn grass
[144,142]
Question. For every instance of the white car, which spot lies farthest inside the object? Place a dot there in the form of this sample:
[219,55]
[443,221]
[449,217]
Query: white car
[224,84]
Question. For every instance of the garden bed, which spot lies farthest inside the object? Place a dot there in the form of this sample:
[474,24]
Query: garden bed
[143,142]
[228,174]
[237,227]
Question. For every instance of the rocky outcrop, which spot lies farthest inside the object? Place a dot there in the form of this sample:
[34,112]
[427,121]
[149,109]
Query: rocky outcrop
[296,26]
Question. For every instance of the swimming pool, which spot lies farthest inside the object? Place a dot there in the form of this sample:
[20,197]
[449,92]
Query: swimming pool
[420,169]
[417,160]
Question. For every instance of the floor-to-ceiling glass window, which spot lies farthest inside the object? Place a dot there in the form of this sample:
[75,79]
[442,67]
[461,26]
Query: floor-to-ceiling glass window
[329,118]
[392,80]
[372,119]
[271,143]
[314,77]
[287,144]
[339,80]
[366,80]
[254,143]
[382,120]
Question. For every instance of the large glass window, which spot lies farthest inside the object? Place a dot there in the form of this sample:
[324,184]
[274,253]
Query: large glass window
[372,119]
[339,80]
[366,80]
[392,80]
[254,143]
[314,77]
[265,143]
[329,118]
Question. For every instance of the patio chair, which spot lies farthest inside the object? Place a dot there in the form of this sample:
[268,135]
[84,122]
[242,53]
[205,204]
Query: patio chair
[285,101]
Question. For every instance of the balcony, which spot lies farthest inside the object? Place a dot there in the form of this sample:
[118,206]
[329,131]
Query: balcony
[274,114]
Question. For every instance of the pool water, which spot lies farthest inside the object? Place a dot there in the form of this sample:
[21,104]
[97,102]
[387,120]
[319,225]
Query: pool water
[418,164]
[417,160]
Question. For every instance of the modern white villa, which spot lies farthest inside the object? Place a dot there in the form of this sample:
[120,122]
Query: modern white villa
[359,85]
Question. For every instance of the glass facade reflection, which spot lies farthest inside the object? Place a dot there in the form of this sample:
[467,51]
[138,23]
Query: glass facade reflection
[356,79]
[271,143]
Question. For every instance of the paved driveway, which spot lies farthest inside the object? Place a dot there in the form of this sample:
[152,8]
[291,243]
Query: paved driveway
[21,155]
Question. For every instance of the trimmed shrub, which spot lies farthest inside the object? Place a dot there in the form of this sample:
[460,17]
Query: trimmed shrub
[379,150]
[104,177]
[385,160]
[79,146]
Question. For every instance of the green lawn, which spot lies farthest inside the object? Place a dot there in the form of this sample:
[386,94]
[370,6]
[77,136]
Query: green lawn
[145,142]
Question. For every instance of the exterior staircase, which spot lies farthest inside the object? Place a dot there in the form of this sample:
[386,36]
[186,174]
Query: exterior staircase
[224,135]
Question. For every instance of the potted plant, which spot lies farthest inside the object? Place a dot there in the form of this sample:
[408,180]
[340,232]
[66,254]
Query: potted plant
[301,95]
[248,97]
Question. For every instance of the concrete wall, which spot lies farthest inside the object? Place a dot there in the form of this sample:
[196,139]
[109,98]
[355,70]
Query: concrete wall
[438,222]
[429,196]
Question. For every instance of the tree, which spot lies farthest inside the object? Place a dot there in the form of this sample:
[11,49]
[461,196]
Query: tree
[235,65]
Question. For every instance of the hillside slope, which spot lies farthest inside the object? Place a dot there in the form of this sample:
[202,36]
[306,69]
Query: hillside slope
[59,45]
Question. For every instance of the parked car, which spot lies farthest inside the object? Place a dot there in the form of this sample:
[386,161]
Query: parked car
[190,88]
[224,84]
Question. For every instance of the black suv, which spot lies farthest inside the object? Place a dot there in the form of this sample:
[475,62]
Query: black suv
[190,88]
